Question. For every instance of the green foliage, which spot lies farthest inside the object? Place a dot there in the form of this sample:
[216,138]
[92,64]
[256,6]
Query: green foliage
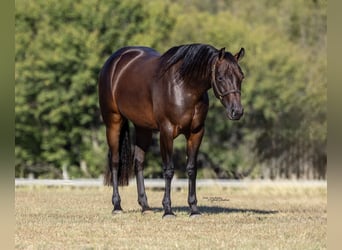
[61,45]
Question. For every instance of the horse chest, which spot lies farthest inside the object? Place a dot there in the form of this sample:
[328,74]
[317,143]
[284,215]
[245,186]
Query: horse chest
[188,118]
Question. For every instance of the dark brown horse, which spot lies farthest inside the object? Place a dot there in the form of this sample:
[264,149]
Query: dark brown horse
[166,93]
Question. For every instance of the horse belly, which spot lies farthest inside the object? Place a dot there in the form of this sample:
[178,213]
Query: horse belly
[141,117]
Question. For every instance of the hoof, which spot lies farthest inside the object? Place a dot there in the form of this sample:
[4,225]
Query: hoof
[147,211]
[169,216]
[194,215]
[117,211]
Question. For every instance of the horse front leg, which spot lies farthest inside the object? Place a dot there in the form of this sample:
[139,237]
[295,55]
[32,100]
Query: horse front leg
[193,143]
[166,149]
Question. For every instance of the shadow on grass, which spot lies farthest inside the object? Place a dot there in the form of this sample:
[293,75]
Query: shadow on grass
[208,210]
[219,210]
[214,210]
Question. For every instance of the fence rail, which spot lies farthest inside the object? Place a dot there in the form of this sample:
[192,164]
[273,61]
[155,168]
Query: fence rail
[176,183]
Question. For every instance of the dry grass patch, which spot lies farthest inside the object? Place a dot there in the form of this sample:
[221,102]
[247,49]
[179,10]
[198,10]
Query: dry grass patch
[233,218]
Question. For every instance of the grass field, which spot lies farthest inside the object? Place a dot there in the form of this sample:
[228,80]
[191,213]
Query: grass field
[232,218]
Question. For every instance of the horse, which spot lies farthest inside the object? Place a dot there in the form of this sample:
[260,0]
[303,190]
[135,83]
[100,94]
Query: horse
[166,93]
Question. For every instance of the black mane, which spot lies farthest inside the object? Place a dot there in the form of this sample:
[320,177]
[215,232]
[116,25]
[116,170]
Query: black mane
[197,60]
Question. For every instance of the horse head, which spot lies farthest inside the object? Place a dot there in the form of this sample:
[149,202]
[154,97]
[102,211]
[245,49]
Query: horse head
[227,77]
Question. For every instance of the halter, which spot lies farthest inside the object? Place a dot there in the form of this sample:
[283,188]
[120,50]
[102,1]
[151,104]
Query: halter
[217,92]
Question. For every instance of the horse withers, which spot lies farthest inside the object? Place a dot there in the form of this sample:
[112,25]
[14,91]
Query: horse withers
[165,93]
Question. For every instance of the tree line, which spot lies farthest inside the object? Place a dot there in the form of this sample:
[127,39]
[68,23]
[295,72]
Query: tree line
[62,44]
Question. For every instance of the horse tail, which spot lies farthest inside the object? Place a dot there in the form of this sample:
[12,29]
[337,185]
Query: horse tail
[126,159]
[125,170]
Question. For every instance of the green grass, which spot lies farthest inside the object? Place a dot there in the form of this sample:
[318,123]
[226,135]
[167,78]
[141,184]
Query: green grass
[233,218]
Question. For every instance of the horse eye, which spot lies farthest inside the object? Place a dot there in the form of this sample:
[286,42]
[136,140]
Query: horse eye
[220,78]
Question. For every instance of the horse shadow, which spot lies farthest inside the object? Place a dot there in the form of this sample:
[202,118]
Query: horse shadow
[211,210]
[226,210]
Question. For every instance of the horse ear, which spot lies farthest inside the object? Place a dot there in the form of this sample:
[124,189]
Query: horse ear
[238,56]
[221,53]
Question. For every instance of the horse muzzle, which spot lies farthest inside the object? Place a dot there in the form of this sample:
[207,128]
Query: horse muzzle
[235,113]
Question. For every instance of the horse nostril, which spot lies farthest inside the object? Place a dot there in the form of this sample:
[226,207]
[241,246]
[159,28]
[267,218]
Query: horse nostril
[236,113]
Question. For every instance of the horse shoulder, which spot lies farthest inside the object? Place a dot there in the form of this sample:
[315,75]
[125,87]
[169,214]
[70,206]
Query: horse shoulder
[200,113]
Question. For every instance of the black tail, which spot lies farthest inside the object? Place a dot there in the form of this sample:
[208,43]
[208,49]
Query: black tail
[125,170]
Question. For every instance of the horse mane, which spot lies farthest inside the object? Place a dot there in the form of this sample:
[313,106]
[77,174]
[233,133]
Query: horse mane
[197,60]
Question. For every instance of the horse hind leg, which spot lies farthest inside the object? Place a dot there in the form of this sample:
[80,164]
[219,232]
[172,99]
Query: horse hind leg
[143,141]
[111,178]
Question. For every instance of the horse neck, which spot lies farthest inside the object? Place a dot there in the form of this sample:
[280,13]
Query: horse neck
[197,85]
[200,86]
[201,82]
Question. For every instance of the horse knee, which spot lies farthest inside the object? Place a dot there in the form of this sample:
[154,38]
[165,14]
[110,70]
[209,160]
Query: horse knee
[192,171]
[169,172]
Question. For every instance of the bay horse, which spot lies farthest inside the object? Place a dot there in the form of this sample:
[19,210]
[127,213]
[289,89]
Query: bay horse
[165,93]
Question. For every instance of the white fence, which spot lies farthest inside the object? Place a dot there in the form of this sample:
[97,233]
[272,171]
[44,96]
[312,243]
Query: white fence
[176,183]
